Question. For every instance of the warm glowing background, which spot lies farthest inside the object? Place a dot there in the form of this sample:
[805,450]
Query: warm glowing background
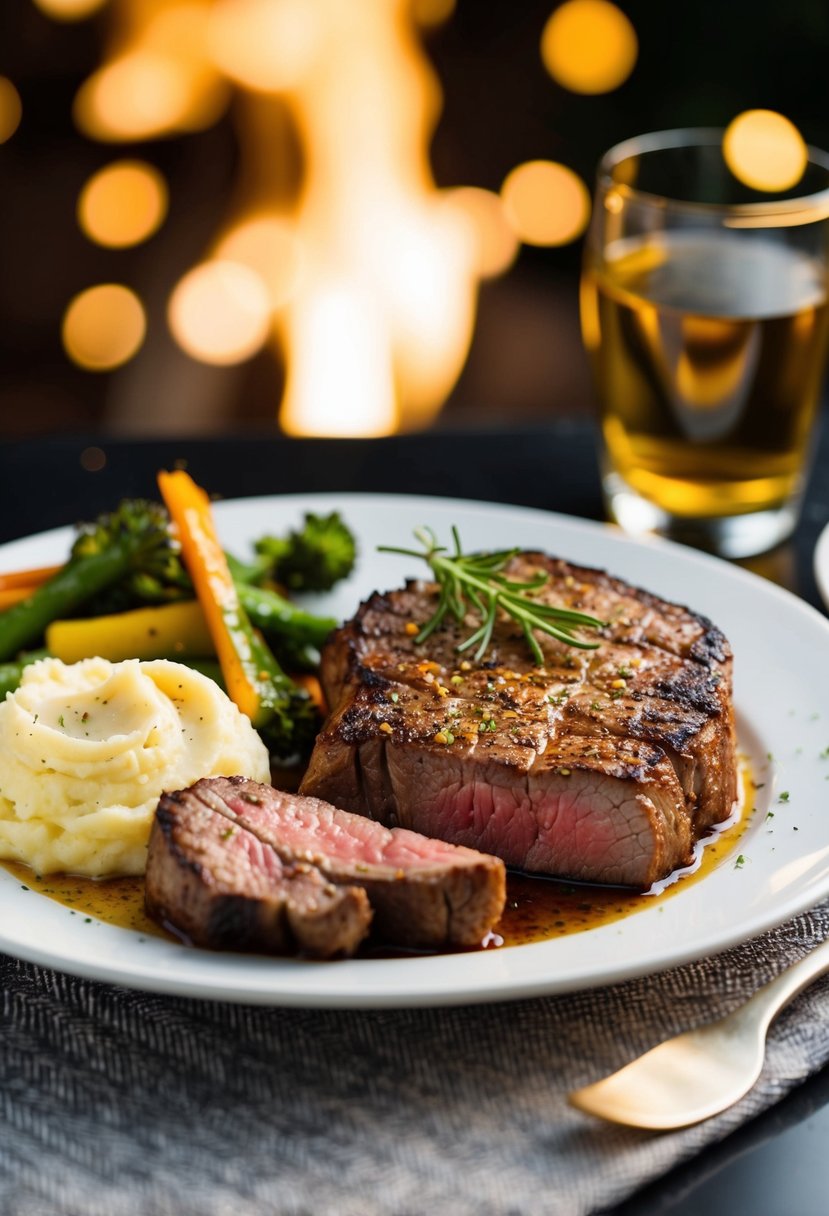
[342,216]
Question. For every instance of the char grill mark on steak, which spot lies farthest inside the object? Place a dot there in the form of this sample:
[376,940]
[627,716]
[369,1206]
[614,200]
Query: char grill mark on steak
[420,892]
[223,888]
[645,722]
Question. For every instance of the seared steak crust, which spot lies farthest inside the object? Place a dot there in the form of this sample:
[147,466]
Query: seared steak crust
[604,765]
[220,887]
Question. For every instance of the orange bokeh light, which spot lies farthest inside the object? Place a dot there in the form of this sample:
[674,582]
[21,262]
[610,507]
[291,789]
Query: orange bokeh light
[589,46]
[547,203]
[69,10]
[220,313]
[268,245]
[103,327]
[122,204]
[765,151]
[492,234]
[11,109]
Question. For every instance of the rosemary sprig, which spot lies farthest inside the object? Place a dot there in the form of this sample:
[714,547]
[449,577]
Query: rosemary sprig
[475,582]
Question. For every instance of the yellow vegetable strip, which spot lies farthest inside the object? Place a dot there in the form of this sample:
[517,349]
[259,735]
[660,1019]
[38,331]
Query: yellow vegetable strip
[167,631]
[206,564]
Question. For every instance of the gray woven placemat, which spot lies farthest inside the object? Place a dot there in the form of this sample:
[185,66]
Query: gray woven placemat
[116,1102]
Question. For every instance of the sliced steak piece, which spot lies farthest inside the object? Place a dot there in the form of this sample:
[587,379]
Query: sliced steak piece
[222,887]
[423,892]
[604,765]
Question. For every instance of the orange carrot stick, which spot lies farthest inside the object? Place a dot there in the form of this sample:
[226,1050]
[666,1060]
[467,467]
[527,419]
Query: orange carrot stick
[13,595]
[28,579]
[248,669]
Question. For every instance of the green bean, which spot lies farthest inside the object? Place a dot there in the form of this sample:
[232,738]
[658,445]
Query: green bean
[61,595]
[273,614]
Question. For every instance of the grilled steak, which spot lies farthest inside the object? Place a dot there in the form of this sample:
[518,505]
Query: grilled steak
[601,765]
[419,892]
[220,886]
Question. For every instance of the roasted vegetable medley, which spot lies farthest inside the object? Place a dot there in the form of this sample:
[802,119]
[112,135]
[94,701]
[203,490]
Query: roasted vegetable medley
[152,581]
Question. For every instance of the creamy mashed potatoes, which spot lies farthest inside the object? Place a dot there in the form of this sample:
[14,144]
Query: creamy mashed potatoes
[86,750]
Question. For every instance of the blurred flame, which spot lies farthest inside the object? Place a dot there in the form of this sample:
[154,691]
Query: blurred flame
[11,109]
[267,244]
[159,80]
[547,203]
[340,373]
[220,312]
[265,44]
[122,204]
[429,13]
[361,269]
[589,46]
[69,10]
[377,231]
[765,151]
[103,327]
[495,241]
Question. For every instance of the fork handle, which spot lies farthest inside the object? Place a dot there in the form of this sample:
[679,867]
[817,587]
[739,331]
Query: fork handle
[767,1002]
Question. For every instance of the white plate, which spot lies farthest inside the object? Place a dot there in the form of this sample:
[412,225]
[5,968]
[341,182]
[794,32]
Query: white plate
[782,696]
[821,564]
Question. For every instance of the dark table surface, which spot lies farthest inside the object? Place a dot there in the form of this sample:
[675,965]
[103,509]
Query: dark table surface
[776,1165]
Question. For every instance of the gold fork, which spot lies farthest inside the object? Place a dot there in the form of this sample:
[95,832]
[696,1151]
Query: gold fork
[702,1072]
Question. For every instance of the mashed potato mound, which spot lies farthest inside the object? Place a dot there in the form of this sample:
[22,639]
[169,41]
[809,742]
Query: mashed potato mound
[86,749]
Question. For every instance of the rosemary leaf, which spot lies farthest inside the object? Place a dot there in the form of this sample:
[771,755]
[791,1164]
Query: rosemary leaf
[474,584]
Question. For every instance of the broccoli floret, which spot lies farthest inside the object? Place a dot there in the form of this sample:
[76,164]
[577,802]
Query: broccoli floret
[290,732]
[107,553]
[316,557]
[156,574]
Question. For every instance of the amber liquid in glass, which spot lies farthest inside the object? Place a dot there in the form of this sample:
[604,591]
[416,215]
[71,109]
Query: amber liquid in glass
[708,352]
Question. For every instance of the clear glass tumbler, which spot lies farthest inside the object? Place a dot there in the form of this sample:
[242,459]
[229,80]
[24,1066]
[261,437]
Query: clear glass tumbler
[704,311]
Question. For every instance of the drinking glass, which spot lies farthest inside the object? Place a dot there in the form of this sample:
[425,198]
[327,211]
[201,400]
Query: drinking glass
[704,312]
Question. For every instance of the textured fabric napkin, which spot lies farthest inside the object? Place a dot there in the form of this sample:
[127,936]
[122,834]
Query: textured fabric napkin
[116,1102]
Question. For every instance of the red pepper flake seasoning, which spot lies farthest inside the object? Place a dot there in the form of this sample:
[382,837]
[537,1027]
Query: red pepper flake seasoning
[411,628]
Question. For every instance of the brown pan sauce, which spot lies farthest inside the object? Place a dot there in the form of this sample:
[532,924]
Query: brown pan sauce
[537,909]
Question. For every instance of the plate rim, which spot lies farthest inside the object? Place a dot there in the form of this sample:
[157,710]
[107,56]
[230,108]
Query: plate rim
[820,563]
[467,992]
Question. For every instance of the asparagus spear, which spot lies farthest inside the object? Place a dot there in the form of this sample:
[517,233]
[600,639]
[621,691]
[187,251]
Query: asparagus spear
[12,673]
[272,613]
[105,553]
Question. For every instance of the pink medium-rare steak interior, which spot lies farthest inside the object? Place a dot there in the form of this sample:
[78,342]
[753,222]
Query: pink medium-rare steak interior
[311,829]
[585,824]
[422,892]
[604,765]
